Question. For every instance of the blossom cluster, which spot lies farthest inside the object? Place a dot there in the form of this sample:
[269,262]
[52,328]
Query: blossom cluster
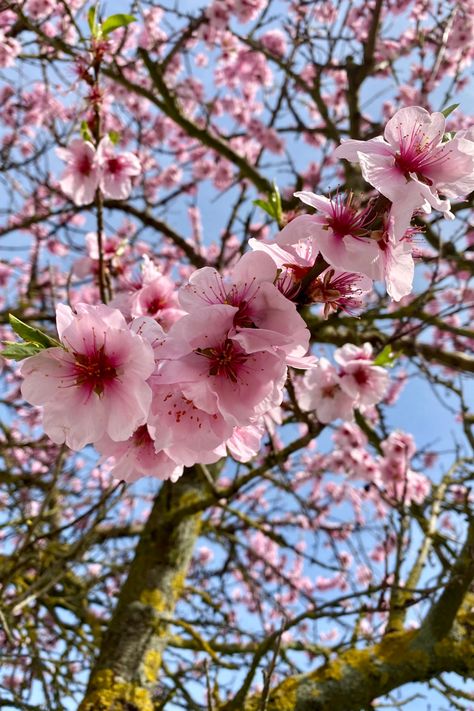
[88,169]
[410,167]
[334,393]
[160,400]
[161,379]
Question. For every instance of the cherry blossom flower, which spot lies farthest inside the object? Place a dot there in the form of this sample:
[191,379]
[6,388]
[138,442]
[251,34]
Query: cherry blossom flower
[365,382]
[39,9]
[183,431]
[95,384]
[239,375]
[81,178]
[10,48]
[157,299]
[137,458]
[321,390]
[339,232]
[116,170]
[262,311]
[412,165]
[334,288]
[337,289]
[244,444]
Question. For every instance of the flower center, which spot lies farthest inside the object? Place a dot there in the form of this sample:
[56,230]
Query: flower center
[114,166]
[94,370]
[418,154]
[224,360]
[84,165]
[347,220]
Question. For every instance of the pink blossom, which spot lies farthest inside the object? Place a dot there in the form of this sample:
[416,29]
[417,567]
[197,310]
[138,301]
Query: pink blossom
[157,299]
[262,311]
[95,384]
[339,232]
[321,390]
[239,375]
[337,289]
[395,260]
[81,178]
[39,9]
[244,444]
[334,288]
[412,164]
[116,170]
[137,457]
[246,10]
[275,42]
[365,382]
[10,48]
[183,431]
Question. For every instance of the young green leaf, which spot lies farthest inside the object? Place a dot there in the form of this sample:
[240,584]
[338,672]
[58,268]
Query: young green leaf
[19,351]
[91,20]
[269,209]
[386,358]
[85,131]
[32,335]
[449,110]
[114,22]
[275,200]
[114,137]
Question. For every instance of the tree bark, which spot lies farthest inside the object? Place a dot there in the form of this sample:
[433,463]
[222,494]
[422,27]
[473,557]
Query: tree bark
[127,668]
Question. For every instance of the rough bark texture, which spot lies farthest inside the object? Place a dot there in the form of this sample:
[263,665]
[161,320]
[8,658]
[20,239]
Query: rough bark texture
[130,657]
[356,678]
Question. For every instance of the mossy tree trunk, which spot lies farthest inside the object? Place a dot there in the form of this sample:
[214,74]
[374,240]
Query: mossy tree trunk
[127,668]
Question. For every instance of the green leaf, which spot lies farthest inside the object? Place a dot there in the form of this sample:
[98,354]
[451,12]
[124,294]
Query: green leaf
[448,136]
[92,20]
[386,358]
[275,200]
[32,335]
[85,131]
[449,110]
[19,351]
[272,206]
[114,22]
[114,137]
[265,206]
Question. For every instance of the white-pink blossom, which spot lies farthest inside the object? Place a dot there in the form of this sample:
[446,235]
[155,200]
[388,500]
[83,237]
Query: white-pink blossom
[94,385]
[339,230]
[412,164]
[239,375]
[116,170]
[363,381]
[321,390]
[80,179]
[137,458]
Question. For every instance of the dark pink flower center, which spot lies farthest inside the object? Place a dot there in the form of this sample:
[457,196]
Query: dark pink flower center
[361,376]
[94,370]
[418,153]
[84,164]
[347,220]
[224,360]
[114,166]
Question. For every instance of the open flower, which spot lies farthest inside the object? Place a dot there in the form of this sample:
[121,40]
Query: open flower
[116,170]
[340,232]
[81,177]
[95,384]
[412,164]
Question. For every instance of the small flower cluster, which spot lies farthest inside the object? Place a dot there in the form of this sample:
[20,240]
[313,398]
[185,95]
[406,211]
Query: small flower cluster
[88,169]
[334,393]
[410,166]
[158,401]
